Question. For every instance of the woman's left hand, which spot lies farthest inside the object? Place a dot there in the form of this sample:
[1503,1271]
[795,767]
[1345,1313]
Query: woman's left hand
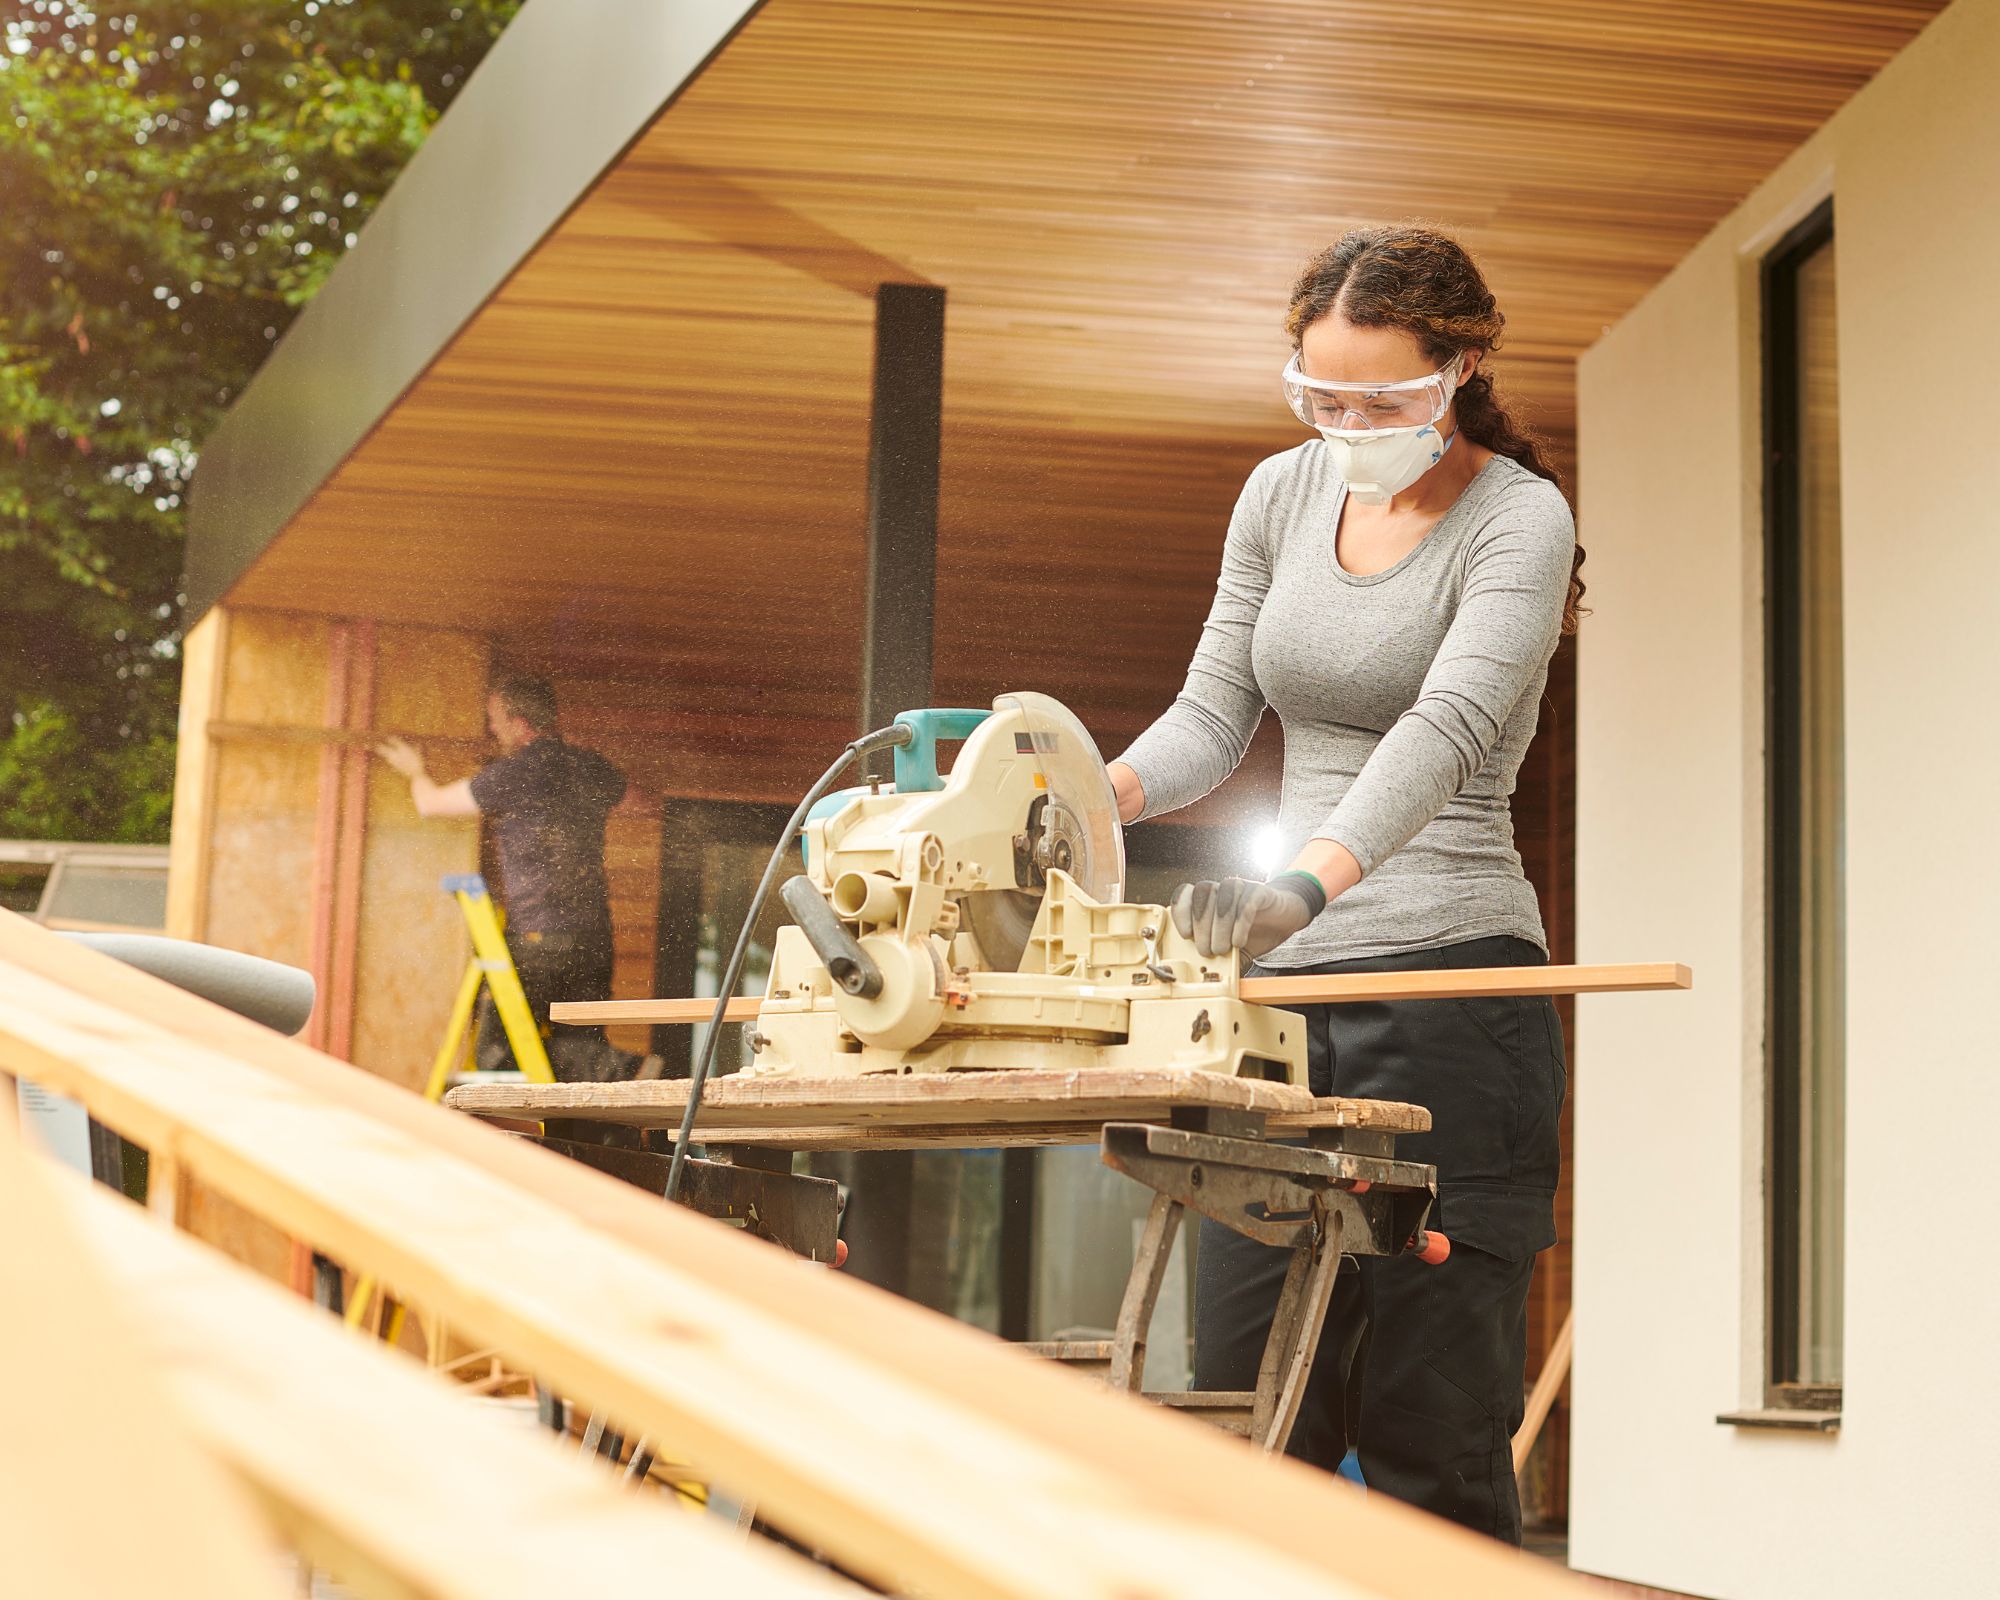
[1239,914]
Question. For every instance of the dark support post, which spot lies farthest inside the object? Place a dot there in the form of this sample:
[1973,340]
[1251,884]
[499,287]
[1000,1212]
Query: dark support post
[899,609]
[900,600]
[1017,1243]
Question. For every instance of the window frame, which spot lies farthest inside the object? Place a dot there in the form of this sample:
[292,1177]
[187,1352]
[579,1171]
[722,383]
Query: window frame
[1784,695]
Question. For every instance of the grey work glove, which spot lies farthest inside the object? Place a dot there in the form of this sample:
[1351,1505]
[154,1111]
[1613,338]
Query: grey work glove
[1240,914]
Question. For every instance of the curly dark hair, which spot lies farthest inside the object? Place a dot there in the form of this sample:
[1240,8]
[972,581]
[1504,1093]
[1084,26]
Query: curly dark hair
[1425,284]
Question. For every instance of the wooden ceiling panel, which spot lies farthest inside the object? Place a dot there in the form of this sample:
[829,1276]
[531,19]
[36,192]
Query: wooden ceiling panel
[657,430]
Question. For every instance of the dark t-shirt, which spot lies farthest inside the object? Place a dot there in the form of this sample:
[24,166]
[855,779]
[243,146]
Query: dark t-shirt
[547,802]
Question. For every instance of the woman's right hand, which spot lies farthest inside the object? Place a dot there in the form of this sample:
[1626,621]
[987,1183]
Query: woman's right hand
[1125,785]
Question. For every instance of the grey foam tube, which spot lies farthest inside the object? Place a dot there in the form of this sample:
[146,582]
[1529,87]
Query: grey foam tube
[269,992]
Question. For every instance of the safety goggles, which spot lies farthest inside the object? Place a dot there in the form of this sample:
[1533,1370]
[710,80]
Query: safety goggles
[1369,407]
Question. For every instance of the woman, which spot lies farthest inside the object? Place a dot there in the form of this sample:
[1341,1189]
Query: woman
[1393,590]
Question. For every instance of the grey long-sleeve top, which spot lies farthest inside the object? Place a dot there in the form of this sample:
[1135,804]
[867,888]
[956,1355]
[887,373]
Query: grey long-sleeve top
[1407,699]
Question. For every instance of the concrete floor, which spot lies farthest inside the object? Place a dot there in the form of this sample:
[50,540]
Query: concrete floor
[1552,1544]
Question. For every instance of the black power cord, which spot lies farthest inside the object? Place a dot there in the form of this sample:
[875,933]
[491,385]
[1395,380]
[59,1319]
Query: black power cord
[895,736]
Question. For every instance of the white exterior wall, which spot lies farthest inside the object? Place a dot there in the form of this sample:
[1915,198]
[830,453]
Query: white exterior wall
[1905,1499]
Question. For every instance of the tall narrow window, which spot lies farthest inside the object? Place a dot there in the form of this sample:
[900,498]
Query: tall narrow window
[1806,904]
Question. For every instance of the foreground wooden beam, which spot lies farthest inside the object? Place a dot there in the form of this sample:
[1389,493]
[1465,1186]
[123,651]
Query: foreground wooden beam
[379,1472]
[1311,989]
[920,1453]
[102,1490]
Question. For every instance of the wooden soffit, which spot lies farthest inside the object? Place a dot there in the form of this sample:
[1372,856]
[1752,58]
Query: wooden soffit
[657,426]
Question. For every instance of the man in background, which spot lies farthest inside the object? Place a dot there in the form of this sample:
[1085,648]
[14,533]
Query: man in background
[547,802]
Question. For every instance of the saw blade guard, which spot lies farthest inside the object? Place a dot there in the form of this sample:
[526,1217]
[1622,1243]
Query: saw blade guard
[1080,828]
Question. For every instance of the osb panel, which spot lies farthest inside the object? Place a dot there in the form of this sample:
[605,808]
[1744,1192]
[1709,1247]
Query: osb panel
[267,795]
[276,671]
[412,945]
[261,855]
[430,681]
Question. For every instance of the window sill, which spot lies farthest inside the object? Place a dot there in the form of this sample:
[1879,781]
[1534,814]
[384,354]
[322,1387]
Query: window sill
[1787,1420]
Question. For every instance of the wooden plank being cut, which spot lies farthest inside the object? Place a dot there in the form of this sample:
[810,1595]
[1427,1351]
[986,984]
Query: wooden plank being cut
[1468,983]
[102,1489]
[1306,989]
[914,1449]
[886,1110]
[381,1473]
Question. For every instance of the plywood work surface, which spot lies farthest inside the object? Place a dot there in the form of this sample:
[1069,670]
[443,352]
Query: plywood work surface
[1331,988]
[928,1109]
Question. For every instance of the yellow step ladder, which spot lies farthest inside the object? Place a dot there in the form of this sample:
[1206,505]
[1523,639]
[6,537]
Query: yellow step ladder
[492,966]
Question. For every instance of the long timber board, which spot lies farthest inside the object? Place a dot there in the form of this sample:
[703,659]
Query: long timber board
[1306,989]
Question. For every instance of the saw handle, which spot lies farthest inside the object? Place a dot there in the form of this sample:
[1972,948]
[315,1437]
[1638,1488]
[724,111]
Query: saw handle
[916,762]
[849,965]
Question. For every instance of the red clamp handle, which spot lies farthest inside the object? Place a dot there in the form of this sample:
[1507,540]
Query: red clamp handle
[1430,1245]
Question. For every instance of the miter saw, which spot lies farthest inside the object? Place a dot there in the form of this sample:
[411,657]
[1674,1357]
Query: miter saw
[975,922]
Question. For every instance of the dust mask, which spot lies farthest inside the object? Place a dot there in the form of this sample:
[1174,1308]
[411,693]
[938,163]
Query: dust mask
[1379,466]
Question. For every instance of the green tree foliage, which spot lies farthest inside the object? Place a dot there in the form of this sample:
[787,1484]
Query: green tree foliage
[176,182]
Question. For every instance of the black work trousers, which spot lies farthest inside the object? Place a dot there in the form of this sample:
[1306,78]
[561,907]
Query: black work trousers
[552,967]
[1420,1368]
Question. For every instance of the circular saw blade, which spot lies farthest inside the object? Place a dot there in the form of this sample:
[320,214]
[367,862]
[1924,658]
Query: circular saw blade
[1001,920]
[1081,819]
[1077,830]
